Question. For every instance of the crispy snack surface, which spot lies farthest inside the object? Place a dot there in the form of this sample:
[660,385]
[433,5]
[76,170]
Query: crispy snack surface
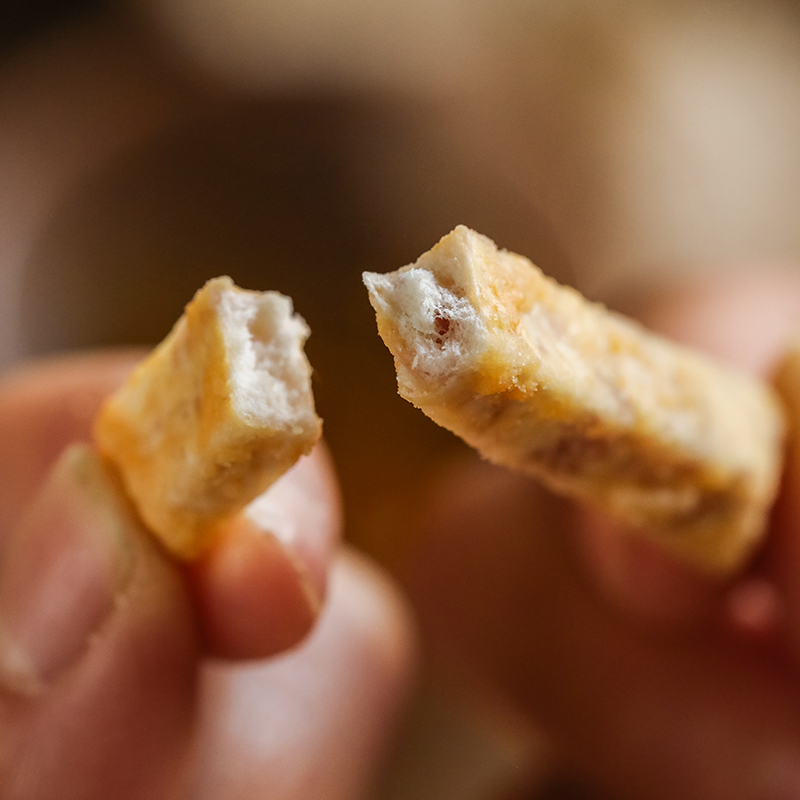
[537,378]
[219,410]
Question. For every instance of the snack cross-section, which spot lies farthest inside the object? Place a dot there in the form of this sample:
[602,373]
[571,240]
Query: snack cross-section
[537,378]
[219,410]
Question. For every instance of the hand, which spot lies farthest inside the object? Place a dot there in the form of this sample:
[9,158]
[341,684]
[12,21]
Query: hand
[652,681]
[106,685]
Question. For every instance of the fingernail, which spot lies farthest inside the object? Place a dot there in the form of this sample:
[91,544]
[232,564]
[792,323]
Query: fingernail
[296,511]
[62,569]
[268,523]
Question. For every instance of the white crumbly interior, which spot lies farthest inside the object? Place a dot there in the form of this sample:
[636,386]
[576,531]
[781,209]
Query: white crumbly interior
[440,328]
[269,372]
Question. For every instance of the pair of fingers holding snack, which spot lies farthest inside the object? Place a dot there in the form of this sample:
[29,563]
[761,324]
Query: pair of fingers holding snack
[104,636]
[107,685]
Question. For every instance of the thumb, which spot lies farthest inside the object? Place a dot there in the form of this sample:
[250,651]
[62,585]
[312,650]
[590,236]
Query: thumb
[98,649]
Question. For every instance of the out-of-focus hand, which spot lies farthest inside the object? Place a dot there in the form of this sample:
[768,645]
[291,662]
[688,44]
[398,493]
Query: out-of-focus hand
[653,681]
[107,688]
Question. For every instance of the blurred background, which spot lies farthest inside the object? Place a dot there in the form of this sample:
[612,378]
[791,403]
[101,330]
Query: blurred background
[148,146]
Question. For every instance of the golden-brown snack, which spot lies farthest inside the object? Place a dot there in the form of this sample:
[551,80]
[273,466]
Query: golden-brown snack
[539,379]
[219,410]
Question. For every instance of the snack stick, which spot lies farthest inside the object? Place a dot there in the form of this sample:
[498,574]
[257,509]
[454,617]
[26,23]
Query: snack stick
[537,378]
[218,412]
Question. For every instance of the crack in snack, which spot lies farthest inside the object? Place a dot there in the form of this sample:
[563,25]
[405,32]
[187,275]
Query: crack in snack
[217,413]
[539,379]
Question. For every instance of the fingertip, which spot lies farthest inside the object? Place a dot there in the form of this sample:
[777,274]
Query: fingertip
[382,613]
[260,588]
[321,717]
[302,510]
[253,597]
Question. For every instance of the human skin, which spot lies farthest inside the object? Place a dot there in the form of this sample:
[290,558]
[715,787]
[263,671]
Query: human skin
[107,688]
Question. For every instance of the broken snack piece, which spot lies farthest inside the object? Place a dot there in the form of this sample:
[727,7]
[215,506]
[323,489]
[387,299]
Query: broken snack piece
[537,378]
[219,410]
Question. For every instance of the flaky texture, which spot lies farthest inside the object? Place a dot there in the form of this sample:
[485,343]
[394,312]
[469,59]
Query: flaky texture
[218,412]
[537,378]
